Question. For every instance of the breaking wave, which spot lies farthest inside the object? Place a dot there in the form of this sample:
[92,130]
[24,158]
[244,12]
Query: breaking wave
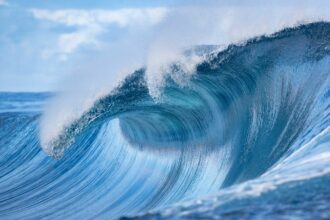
[240,124]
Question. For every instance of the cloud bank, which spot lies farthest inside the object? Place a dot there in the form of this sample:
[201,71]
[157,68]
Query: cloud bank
[90,24]
[122,17]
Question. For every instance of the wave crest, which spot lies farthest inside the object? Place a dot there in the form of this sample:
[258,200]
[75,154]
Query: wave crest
[252,101]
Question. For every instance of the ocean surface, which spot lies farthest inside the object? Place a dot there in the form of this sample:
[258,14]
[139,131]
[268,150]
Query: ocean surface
[246,136]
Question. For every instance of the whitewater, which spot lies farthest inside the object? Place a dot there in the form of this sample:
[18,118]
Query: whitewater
[235,132]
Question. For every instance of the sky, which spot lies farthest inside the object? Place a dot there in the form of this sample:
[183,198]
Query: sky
[43,42]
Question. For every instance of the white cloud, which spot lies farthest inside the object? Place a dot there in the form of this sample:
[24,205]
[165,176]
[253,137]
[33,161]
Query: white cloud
[68,42]
[121,17]
[91,23]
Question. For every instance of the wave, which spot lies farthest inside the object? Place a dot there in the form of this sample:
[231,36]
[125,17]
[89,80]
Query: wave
[246,115]
[255,100]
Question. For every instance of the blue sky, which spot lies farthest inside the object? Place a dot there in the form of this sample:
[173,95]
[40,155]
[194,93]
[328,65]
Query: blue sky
[42,42]
[37,48]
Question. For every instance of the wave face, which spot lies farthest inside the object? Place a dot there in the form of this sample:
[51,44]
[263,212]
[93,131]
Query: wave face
[246,135]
